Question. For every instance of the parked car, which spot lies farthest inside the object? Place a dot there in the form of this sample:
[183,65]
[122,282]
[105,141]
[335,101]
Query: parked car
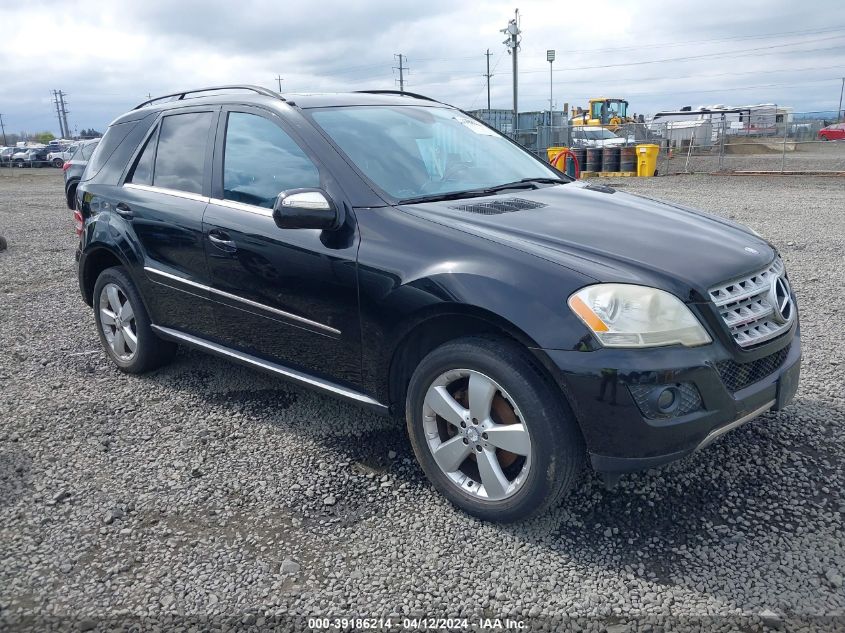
[835,132]
[74,168]
[390,250]
[6,154]
[58,157]
[30,157]
[594,136]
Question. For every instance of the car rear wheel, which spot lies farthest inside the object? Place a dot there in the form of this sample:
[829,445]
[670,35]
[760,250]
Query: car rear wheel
[124,325]
[58,162]
[490,431]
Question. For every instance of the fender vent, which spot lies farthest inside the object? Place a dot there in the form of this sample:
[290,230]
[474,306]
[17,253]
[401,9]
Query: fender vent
[497,207]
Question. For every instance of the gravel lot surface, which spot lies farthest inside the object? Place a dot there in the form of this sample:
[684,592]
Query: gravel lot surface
[805,156]
[206,490]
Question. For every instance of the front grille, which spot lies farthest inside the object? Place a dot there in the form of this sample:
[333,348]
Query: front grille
[737,376]
[496,207]
[746,306]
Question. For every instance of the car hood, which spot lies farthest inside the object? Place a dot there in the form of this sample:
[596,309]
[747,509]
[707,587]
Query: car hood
[611,236]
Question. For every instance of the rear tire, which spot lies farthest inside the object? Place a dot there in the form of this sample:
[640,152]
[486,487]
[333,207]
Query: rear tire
[124,325]
[58,162]
[462,453]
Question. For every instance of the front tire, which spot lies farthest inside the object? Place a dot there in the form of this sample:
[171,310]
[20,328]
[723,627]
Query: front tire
[491,432]
[124,325]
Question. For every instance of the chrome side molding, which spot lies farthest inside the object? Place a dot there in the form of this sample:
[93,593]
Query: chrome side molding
[294,375]
[287,315]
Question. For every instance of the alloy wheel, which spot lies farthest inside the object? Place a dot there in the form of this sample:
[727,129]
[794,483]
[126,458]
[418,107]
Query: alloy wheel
[117,320]
[477,434]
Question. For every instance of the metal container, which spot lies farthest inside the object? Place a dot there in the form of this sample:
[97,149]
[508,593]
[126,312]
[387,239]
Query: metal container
[628,159]
[610,159]
[581,155]
[593,161]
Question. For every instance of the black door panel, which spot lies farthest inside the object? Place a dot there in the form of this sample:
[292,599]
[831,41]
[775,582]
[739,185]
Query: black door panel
[287,295]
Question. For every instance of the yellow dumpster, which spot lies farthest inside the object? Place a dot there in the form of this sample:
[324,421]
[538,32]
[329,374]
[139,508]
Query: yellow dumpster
[647,160]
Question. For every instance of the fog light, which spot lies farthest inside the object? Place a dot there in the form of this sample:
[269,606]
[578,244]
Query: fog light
[666,400]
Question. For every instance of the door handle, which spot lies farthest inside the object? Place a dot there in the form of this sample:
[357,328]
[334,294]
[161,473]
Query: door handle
[123,210]
[222,241]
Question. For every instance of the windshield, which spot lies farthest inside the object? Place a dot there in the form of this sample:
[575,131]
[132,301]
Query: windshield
[412,151]
[619,108]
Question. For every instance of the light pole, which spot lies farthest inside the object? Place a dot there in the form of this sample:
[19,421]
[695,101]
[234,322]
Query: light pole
[512,43]
[550,57]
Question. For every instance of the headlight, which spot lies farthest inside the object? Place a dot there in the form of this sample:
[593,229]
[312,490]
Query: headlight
[624,315]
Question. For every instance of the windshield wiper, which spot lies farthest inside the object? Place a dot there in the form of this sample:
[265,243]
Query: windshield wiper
[525,183]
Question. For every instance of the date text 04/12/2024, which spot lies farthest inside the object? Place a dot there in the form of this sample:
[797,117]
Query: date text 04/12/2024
[418,624]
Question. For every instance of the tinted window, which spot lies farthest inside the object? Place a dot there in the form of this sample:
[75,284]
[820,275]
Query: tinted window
[261,160]
[142,172]
[181,151]
[105,147]
[88,149]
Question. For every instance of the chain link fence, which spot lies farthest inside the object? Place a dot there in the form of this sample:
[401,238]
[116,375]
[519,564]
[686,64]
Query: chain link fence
[699,142]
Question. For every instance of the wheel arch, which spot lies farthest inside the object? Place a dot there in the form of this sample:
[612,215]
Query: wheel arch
[95,262]
[434,327]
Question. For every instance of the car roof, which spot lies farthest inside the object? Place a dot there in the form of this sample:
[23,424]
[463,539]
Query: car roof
[280,102]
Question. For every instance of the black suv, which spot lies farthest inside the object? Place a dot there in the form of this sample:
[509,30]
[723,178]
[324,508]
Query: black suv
[394,251]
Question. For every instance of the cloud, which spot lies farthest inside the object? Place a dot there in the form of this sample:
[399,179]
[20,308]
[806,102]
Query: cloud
[108,55]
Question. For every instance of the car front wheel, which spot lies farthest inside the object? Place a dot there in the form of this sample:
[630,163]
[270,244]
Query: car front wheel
[491,432]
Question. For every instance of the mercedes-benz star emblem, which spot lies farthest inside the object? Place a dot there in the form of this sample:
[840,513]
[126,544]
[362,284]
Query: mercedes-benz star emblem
[780,299]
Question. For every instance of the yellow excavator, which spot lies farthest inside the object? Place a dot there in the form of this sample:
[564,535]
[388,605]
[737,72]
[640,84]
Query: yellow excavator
[610,113]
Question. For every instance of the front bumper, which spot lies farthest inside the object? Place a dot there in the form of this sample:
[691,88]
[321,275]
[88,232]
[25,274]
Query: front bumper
[620,437]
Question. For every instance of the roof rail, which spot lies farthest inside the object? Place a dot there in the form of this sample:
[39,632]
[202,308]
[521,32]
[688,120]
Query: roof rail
[403,93]
[181,95]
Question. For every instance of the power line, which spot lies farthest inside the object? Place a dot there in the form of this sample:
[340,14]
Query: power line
[703,56]
[705,41]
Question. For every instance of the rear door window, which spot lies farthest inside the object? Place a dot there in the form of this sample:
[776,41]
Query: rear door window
[180,158]
[142,171]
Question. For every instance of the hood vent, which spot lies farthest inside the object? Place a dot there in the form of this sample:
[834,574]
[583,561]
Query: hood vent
[497,207]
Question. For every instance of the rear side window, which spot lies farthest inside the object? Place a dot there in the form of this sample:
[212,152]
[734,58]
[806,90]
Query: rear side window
[142,172]
[105,148]
[180,157]
[260,160]
[87,150]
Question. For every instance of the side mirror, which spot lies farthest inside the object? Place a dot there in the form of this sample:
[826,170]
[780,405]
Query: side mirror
[306,209]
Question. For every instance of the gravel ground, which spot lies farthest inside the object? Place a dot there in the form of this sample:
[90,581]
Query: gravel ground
[806,156]
[206,493]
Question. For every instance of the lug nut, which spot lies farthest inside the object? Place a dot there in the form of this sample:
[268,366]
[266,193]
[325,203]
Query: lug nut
[466,441]
[484,435]
[478,448]
[475,420]
[463,424]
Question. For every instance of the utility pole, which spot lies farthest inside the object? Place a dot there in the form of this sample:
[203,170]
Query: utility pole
[59,114]
[3,127]
[280,80]
[66,132]
[402,68]
[839,113]
[550,57]
[488,75]
[512,43]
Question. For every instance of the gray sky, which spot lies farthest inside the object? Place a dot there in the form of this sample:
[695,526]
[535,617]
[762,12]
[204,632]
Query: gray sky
[659,54]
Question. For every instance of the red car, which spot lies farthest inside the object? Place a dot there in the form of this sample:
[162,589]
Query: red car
[835,132]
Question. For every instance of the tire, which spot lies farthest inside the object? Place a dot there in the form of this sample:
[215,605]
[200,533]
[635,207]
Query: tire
[548,452]
[116,325]
[19,163]
[58,162]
